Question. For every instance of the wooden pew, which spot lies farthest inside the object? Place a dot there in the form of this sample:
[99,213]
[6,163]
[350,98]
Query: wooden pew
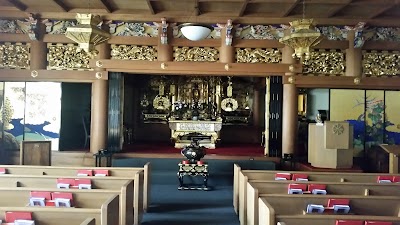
[83,198]
[315,219]
[106,215]
[72,171]
[241,177]
[89,221]
[272,206]
[257,188]
[134,198]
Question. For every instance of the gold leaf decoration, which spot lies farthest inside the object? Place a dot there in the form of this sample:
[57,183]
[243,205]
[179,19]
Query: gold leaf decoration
[382,63]
[133,52]
[197,54]
[14,55]
[258,55]
[325,62]
[68,57]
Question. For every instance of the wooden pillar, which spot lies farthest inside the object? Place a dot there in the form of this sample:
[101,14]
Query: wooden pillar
[265,134]
[289,111]
[99,116]
[99,106]
[226,55]
[38,49]
[38,61]
[165,51]
[353,57]
[226,52]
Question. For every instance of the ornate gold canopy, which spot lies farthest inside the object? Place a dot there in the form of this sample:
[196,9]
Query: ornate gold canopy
[86,33]
[302,38]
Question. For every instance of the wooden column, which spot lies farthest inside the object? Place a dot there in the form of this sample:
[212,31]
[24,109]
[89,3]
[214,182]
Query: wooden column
[99,116]
[353,57]
[289,114]
[265,134]
[38,60]
[99,106]
[165,51]
[226,52]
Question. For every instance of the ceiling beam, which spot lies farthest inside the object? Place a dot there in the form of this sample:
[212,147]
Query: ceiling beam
[179,16]
[379,12]
[107,6]
[243,9]
[17,4]
[289,10]
[62,5]
[196,8]
[338,9]
[150,7]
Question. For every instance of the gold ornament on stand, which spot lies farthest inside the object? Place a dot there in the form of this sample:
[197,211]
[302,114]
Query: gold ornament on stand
[303,37]
[229,104]
[161,102]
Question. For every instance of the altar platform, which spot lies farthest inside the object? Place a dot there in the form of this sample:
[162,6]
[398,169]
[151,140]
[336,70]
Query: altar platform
[167,150]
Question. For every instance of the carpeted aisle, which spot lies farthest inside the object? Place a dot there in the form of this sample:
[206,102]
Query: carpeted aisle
[170,206]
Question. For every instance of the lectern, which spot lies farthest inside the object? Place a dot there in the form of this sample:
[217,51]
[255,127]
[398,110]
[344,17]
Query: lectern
[330,145]
[35,153]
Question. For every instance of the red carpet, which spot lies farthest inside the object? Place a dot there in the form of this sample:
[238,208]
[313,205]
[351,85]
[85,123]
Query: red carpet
[168,148]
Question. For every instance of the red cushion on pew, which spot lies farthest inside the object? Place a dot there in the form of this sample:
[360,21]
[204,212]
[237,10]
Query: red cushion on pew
[12,216]
[378,223]
[349,222]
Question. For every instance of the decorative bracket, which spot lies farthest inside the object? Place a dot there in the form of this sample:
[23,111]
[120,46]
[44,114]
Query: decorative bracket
[358,38]
[228,29]
[164,31]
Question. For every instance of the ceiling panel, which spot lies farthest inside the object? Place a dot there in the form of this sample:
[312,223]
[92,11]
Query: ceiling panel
[272,9]
[339,12]
[124,4]
[220,7]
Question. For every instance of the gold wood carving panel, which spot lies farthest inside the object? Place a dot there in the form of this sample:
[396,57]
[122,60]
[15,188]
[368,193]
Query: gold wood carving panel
[258,55]
[383,63]
[134,52]
[67,57]
[14,55]
[197,54]
[325,62]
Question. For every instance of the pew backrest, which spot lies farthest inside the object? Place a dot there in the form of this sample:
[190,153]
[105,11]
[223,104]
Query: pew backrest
[108,214]
[268,216]
[89,221]
[360,205]
[131,199]
[73,171]
[330,219]
[256,189]
[374,189]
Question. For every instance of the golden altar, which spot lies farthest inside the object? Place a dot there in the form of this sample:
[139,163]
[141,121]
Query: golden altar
[206,131]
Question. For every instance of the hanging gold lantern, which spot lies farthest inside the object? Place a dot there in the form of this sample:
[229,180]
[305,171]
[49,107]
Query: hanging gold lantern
[86,33]
[303,37]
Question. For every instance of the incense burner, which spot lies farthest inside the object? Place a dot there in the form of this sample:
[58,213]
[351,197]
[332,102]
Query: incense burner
[194,152]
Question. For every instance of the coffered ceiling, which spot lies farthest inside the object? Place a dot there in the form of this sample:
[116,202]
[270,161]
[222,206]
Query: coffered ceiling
[325,12]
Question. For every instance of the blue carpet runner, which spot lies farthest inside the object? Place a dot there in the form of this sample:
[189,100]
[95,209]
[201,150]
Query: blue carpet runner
[170,206]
